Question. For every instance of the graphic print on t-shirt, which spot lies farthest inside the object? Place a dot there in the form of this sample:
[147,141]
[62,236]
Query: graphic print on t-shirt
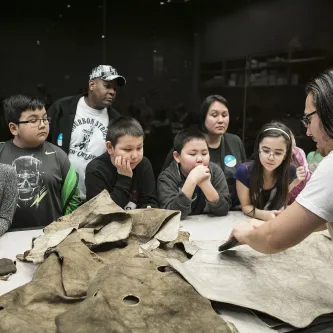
[87,141]
[31,188]
[87,137]
[83,145]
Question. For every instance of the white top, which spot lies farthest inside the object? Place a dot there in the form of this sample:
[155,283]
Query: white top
[317,195]
[88,139]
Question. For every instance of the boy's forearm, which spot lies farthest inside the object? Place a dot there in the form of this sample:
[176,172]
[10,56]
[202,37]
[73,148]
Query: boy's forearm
[170,196]
[181,203]
[209,191]
[189,187]
[217,194]
[220,207]
[120,193]
[148,200]
[177,201]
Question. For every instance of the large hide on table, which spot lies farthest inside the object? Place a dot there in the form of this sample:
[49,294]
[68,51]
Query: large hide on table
[94,258]
[158,301]
[92,222]
[295,286]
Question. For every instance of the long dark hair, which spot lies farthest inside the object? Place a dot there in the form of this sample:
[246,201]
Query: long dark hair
[321,89]
[282,172]
[209,100]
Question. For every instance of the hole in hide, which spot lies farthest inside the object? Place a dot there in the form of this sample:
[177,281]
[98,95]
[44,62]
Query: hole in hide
[165,269]
[131,300]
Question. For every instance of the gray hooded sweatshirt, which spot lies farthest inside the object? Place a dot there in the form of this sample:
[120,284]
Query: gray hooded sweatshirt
[171,196]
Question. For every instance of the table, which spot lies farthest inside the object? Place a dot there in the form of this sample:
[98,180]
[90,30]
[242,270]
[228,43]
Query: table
[206,231]
[11,244]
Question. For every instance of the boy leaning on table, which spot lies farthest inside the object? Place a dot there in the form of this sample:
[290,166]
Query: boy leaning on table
[123,170]
[193,184]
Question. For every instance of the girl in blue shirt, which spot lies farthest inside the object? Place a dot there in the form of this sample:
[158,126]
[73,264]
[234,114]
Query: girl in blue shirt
[263,184]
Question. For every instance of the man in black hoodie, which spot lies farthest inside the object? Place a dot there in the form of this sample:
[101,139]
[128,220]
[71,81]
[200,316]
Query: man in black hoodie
[79,123]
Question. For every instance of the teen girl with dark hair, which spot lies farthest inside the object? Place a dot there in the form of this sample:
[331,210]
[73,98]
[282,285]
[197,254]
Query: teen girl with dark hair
[263,184]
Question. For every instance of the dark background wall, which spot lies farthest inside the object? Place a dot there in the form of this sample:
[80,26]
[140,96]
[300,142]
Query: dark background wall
[262,30]
[51,44]
[267,26]
[49,48]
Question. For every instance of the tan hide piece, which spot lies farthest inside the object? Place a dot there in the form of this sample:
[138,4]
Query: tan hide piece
[294,286]
[138,295]
[100,221]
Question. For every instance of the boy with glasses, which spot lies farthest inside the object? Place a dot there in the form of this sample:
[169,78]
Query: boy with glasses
[47,184]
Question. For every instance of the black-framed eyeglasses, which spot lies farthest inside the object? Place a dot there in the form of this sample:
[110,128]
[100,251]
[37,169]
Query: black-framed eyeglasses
[305,119]
[36,122]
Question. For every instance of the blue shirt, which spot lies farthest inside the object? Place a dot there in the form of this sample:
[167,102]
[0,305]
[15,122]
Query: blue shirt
[244,174]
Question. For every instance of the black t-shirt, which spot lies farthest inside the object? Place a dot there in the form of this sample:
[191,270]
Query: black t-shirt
[266,195]
[229,155]
[215,155]
[41,174]
[136,192]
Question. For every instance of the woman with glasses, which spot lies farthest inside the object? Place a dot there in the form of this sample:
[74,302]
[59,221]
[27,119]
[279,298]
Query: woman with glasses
[263,184]
[313,208]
